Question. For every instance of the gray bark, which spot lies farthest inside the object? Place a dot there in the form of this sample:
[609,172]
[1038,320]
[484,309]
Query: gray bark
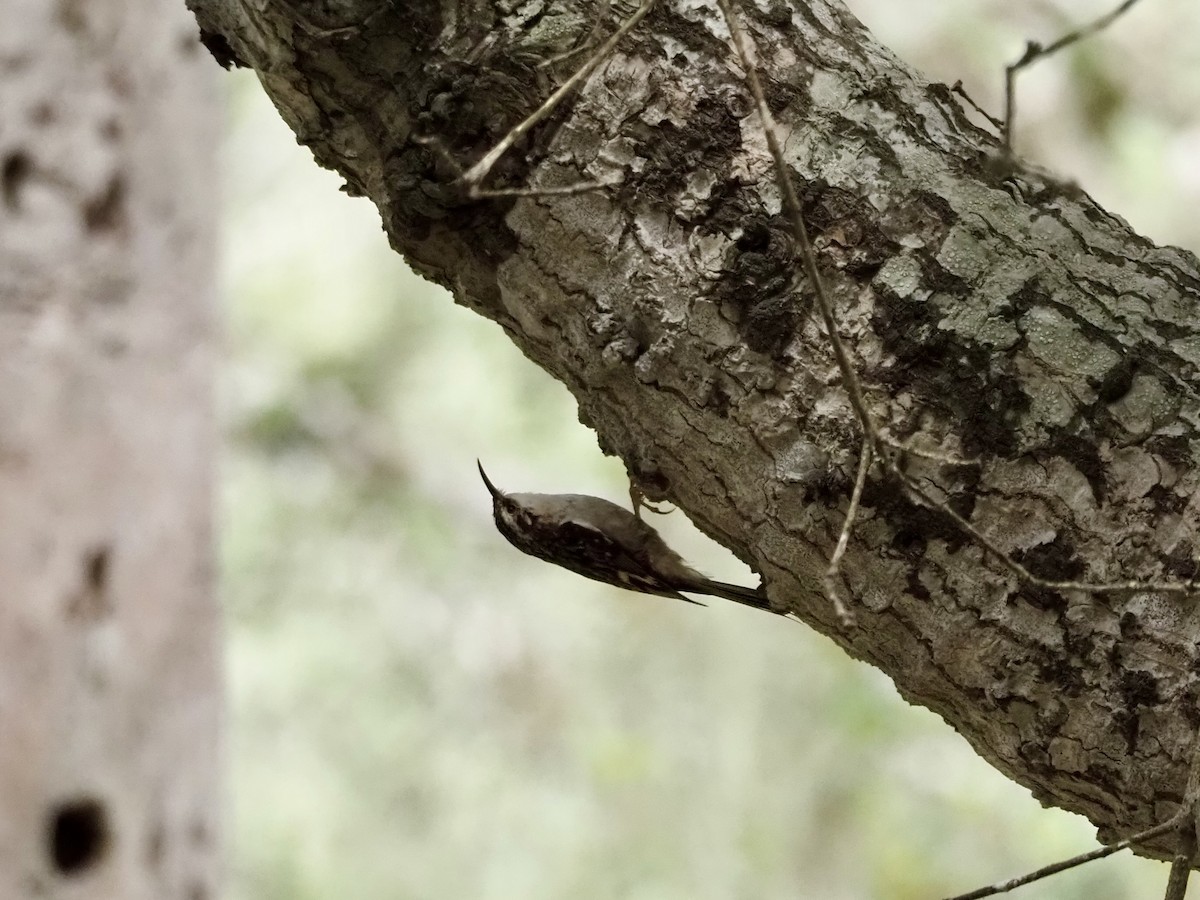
[110,700]
[992,312]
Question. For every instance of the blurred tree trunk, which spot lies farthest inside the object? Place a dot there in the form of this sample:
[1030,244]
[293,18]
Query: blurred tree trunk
[110,688]
[992,312]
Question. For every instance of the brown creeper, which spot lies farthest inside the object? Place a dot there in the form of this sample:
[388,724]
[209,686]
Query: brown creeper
[604,542]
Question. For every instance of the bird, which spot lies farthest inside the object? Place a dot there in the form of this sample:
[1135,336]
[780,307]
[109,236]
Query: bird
[600,540]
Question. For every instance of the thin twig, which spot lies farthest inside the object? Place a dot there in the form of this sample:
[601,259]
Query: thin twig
[850,379]
[905,447]
[473,177]
[792,205]
[957,88]
[1035,51]
[845,616]
[435,144]
[1181,862]
[578,187]
[1004,887]
[922,497]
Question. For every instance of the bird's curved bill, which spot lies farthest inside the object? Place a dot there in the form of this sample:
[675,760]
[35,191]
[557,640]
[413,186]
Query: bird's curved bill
[492,489]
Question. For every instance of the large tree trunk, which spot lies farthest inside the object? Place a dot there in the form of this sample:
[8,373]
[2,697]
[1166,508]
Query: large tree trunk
[991,312]
[110,698]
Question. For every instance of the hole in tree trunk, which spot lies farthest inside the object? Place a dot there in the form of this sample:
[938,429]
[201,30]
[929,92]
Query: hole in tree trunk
[78,835]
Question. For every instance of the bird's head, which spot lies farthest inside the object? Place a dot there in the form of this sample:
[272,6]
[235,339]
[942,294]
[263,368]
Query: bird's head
[513,519]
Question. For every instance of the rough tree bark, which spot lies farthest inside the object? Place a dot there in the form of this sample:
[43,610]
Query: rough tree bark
[992,312]
[110,692]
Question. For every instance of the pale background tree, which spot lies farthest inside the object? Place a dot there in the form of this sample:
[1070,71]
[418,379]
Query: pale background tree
[450,737]
[110,682]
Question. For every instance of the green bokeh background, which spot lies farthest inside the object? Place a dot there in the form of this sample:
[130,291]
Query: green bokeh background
[418,711]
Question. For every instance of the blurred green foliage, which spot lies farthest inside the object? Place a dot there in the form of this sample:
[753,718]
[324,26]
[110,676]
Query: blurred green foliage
[418,711]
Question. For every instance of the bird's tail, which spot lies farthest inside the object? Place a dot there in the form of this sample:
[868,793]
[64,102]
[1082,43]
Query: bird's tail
[747,596]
